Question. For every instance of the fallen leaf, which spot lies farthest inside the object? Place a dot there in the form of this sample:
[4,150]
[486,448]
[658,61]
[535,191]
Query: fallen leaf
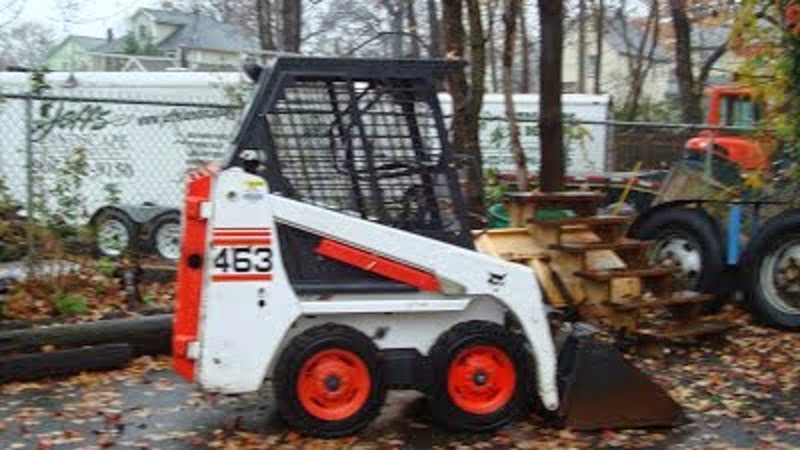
[105,441]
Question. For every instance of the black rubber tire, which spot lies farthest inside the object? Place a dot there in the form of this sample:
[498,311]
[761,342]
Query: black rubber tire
[155,226]
[303,347]
[448,346]
[697,227]
[125,220]
[775,233]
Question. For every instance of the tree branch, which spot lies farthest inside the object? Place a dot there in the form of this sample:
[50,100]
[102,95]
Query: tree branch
[708,64]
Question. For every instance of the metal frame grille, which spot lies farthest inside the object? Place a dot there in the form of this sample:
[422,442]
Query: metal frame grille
[374,146]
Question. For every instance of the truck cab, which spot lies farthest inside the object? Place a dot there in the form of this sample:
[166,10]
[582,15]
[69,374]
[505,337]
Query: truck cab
[731,106]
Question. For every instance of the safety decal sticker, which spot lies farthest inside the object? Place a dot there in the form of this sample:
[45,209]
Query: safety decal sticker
[241,254]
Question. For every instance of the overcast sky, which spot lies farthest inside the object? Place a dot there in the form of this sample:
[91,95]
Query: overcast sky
[91,17]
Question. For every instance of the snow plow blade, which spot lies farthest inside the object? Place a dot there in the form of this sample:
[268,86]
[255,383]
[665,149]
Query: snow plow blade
[602,390]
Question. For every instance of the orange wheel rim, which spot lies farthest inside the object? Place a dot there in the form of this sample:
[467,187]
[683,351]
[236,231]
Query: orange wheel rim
[333,384]
[481,379]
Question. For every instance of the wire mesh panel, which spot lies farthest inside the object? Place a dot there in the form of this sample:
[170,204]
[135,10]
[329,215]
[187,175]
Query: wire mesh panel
[373,148]
[65,159]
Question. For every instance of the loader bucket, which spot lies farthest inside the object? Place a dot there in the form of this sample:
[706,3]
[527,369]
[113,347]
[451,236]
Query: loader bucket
[602,390]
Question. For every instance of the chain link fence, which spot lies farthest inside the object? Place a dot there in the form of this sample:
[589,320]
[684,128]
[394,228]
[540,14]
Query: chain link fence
[65,158]
[604,146]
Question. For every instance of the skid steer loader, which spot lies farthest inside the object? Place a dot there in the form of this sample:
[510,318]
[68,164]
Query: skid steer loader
[330,256]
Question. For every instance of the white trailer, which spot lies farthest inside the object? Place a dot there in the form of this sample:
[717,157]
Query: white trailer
[140,134]
[586,139]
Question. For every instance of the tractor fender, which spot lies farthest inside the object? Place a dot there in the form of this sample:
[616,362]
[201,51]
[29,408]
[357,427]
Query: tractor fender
[141,214]
[661,207]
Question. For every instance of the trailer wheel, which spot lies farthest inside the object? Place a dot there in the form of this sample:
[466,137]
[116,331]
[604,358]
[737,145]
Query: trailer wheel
[772,272]
[686,239]
[328,382]
[114,232]
[482,377]
[165,238]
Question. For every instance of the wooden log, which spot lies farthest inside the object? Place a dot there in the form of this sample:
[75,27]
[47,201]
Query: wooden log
[158,273]
[146,335]
[64,362]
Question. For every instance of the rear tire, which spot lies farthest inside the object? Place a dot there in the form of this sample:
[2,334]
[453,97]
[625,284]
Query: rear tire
[771,267]
[482,377]
[115,233]
[165,239]
[328,382]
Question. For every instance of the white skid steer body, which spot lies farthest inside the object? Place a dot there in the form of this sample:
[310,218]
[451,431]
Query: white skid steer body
[248,311]
[332,258]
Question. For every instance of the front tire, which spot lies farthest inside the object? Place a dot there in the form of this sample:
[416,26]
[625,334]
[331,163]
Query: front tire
[115,232]
[482,377]
[772,272]
[686,239]
[328,382]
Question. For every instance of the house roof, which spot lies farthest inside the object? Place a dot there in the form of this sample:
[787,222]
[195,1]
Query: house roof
[115,46]
[148,64]
[707,38]
[85,42]
[196,31]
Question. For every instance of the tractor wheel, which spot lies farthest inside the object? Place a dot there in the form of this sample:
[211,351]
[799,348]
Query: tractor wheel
[165,239]
[482,377]
[114,233]
[772,272]
[686,239]
[328,382]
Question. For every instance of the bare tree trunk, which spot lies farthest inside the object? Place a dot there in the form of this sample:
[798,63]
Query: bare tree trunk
[291,18]
[510,18]
[708,64]
[477,67]
[435,49]
[527,48]
[582,46]
[467,97]
[689,97]
[640,63]
[396,17]
[225,11]
[551,135]
[264,16]
[492,48]
[413,28]
[600,21]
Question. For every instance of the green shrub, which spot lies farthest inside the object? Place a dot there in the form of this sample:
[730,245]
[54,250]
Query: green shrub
[106,267]
[70,304]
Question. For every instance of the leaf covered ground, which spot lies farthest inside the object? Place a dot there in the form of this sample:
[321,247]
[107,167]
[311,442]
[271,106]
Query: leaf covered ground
[741,392]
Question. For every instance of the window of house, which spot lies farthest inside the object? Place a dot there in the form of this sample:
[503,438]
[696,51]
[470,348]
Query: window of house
[591,64]
[144,32]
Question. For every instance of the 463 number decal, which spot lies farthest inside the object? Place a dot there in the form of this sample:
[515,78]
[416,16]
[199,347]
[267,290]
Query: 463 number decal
[235,260]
